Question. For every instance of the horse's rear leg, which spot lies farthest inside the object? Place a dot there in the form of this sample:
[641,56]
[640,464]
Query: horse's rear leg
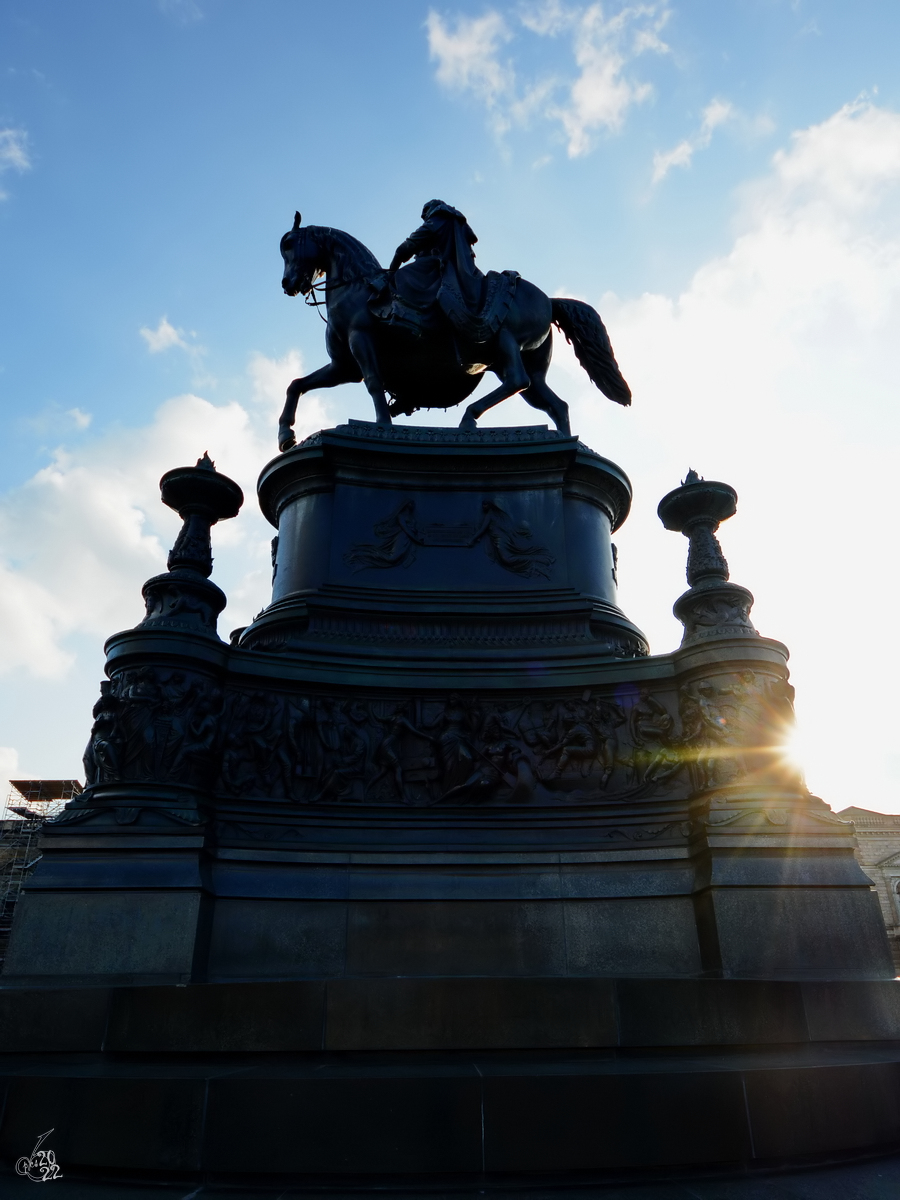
[511,372]
[330,376]
[538,394]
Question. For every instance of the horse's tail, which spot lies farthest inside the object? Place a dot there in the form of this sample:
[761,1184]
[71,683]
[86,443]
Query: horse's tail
[587,334]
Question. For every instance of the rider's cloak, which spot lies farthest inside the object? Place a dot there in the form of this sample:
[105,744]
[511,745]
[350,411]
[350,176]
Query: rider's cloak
[444,269]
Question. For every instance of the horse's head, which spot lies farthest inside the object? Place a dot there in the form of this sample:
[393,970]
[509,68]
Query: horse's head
[301,255]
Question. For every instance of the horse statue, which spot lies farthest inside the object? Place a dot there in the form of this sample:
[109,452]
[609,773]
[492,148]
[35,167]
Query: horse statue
[376,333]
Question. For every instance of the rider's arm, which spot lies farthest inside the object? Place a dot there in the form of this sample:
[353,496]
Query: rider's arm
[418,242]
[403,252]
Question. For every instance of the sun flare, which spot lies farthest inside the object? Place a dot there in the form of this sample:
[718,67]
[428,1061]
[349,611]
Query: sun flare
[796,749]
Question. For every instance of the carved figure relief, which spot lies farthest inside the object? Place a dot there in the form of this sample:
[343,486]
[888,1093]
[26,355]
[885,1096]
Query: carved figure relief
[392,758]
[656,755]
[720,610]
[255,757]
[319,750]
[153,725]
[509,545]
[506,543]
[167,601]
[397,545]
[101,756]
[169,726]
[649,721]
[732,727]
[344,765]
[726,611]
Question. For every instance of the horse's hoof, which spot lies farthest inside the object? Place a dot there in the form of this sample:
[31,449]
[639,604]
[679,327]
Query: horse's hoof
[286,440]
[468,424]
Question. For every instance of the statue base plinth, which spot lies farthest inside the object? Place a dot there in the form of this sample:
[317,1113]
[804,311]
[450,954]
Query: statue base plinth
[435,556]
[436,874]
[416,1086]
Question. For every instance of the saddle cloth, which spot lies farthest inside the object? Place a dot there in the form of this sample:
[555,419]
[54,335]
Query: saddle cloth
[420,299]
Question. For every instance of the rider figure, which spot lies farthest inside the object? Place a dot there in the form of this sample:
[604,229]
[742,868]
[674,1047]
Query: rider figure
[444,269]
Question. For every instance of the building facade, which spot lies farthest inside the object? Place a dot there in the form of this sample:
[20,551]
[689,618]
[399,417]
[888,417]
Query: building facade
[878,835]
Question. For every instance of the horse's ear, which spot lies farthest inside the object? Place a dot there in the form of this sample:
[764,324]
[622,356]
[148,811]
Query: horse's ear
[297,220]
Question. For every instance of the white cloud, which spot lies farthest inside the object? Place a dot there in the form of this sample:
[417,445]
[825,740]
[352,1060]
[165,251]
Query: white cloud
[51,420]
[601,95]
[14,150]
[81,420]
[678,156]
[466,55]
[80,537]
[270,378]
[163,337]
[846,165]
[546,19]
[716,113]
[13,153]
[776,369]
[594,91]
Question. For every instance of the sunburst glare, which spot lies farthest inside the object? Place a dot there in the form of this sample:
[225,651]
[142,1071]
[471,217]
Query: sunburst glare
[797,750]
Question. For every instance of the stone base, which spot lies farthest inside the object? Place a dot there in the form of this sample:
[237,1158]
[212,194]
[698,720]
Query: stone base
[141,936]
[449,1082]
[439,878]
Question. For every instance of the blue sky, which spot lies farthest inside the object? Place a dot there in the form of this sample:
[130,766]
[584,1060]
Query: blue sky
[721,180]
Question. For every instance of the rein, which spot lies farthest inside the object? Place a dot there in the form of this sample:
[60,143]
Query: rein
[310,298]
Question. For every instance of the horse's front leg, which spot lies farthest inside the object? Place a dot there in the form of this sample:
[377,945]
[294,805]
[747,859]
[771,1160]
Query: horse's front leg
[363,350]
[509,369]
[329,376]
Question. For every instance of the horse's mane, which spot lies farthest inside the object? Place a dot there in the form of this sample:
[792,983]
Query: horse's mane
[351,253]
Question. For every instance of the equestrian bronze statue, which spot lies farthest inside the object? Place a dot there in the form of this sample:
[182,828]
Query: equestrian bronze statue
[425,333]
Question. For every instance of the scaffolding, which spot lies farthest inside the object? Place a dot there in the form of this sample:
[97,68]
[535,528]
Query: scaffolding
[29,804]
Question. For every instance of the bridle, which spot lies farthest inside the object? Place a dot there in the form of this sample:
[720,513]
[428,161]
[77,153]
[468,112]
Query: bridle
[310,297]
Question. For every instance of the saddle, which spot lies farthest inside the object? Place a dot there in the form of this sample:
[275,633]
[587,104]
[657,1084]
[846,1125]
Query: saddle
[423,300]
